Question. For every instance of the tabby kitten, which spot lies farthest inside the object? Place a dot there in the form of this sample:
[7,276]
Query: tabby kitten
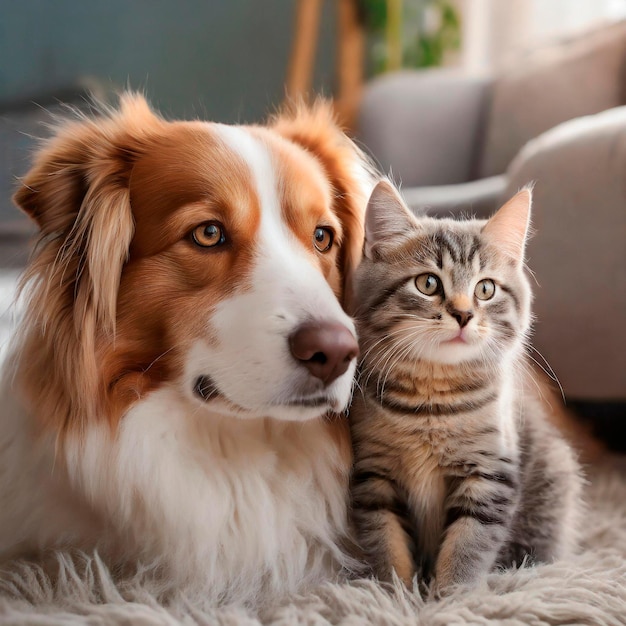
[456,469]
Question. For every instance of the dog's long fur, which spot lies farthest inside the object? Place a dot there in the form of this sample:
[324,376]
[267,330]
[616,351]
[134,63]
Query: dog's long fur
[104,442]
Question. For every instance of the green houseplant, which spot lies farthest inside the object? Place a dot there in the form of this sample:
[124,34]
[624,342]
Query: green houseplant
[409,33]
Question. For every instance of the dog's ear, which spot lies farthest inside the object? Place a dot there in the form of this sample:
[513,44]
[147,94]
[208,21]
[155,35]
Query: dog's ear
[348,170]
[77,192]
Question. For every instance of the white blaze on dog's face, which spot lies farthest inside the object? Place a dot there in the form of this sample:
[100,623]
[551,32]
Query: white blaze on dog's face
[235,262]
[247,366]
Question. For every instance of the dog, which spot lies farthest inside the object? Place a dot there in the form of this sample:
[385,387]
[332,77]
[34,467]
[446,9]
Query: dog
[174,392]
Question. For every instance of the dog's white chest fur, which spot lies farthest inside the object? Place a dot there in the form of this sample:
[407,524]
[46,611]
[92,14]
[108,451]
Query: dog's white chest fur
[250,506]
[245,509]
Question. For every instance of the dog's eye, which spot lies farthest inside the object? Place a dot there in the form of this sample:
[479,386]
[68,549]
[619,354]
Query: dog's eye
[323,238]
[208,235]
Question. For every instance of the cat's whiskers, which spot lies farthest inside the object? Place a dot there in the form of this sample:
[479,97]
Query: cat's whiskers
[355,386]
[422,330]
[531,274]
[371,368]
[550,373]
[403,348]
[408,347]
[491,354]
[528,373]
[384,354]
[388,367]
[385,337]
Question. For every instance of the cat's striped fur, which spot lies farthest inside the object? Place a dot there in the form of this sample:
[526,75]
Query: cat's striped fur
[456,468]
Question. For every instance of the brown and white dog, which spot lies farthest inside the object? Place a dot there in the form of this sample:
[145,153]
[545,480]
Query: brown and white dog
[168,395]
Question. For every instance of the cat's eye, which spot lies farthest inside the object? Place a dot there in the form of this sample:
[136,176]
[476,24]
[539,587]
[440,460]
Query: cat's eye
[323,238]
[485,289]
[209,235]
[428,284]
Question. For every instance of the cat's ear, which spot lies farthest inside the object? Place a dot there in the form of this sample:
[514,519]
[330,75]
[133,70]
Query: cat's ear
[508,228]
[387,218]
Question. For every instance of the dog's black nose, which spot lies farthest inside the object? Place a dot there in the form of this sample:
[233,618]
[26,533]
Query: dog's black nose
[324,348]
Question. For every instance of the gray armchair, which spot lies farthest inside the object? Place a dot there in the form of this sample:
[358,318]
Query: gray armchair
[463,145]
[449,138]
[427,129]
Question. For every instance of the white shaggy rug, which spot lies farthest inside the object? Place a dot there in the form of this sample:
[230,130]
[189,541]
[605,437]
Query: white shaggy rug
[588,589]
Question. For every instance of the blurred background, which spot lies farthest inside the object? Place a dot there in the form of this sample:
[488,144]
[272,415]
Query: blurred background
[462,101]
[227,60]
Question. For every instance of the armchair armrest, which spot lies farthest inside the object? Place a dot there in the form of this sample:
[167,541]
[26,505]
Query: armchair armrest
[424,125]
[579,251]
[479,198]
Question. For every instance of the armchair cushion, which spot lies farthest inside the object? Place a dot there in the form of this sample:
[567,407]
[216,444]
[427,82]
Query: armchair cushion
[580,76]
[425,124]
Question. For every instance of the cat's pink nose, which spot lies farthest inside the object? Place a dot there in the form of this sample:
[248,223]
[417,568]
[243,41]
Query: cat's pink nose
[326,349]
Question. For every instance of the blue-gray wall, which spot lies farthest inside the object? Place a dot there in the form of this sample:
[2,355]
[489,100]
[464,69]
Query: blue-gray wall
[218,59]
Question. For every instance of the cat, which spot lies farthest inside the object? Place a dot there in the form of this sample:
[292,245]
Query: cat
[456,468]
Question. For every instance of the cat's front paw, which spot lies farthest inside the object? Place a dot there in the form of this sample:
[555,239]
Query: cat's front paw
[439,591]
[447,582]
[397,575]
